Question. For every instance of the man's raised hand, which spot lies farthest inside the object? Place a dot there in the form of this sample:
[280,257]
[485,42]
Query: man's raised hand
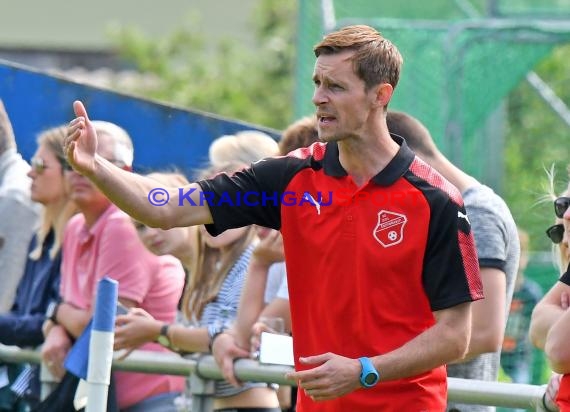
[81,142]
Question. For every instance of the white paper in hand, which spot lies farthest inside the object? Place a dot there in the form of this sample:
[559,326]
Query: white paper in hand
[276,349]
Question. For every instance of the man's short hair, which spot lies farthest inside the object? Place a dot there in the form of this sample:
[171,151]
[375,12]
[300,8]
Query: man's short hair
[123,151]
[376,60]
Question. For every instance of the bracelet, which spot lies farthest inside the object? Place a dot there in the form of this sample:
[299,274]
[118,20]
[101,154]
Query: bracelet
[546,408]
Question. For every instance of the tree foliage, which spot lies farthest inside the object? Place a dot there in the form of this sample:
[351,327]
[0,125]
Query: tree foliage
[248,83]
[536,141]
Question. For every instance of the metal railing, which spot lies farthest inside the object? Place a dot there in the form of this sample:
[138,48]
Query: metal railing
[202,369]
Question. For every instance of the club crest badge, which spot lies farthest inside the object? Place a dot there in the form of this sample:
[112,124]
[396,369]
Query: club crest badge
[389,230]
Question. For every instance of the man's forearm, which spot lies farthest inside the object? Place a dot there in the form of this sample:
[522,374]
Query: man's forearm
[140,196]
[441,344]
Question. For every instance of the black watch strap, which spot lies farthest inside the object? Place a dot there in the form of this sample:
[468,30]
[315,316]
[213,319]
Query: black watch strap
[163,338]
[51,311]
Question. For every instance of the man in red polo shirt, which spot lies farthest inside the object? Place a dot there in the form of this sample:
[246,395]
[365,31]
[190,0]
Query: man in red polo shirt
[380,257]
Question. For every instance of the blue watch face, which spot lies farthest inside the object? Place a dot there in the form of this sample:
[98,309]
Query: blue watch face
[370,378]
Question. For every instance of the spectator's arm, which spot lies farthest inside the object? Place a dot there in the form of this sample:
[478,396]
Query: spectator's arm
[21,330]
[72,318]
[251,301]
[546,313]
[488,315]
[278,308]
[556,345]
[17,225]
[266,253]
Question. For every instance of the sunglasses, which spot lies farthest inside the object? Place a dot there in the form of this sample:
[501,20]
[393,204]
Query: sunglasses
[38,165]
[561,206]
[555,233]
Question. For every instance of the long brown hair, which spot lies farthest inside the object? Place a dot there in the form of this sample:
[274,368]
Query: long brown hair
[210,268]
[53,139]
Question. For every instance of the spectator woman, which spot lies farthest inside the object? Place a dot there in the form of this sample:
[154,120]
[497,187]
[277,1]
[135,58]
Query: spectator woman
[22,325]
[550,323]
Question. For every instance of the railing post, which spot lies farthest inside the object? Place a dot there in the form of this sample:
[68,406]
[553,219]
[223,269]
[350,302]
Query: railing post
[101,345]
[202,391]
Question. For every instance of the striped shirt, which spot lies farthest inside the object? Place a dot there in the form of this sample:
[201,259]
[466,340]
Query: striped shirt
[223,310]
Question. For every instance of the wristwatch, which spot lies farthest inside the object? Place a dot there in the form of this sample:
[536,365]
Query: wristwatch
[163,338]
[369,375]
[51,311]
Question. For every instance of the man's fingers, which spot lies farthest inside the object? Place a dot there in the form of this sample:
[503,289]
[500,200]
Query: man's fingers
[240,353]
[311,360]
[80,110]
[228,372]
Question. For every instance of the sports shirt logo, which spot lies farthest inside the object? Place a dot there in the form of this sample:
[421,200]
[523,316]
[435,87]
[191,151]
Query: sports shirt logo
[309,198]
[389,230]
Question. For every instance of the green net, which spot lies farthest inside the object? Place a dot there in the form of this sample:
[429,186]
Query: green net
[456,72]
[543,8]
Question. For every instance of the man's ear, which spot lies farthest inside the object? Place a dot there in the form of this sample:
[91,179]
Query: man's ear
[383,93]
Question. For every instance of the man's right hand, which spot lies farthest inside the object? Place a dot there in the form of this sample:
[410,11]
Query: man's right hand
[81,142]
[225,351]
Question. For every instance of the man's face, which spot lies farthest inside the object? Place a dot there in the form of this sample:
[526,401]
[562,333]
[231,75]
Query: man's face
[343,105]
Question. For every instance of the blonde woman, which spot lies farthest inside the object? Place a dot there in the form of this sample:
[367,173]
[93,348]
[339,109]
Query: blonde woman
[22,326]
[550,323]
[243,147]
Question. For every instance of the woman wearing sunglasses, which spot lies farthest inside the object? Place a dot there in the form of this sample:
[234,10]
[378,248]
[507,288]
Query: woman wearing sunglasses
[22,325]
[550,323]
